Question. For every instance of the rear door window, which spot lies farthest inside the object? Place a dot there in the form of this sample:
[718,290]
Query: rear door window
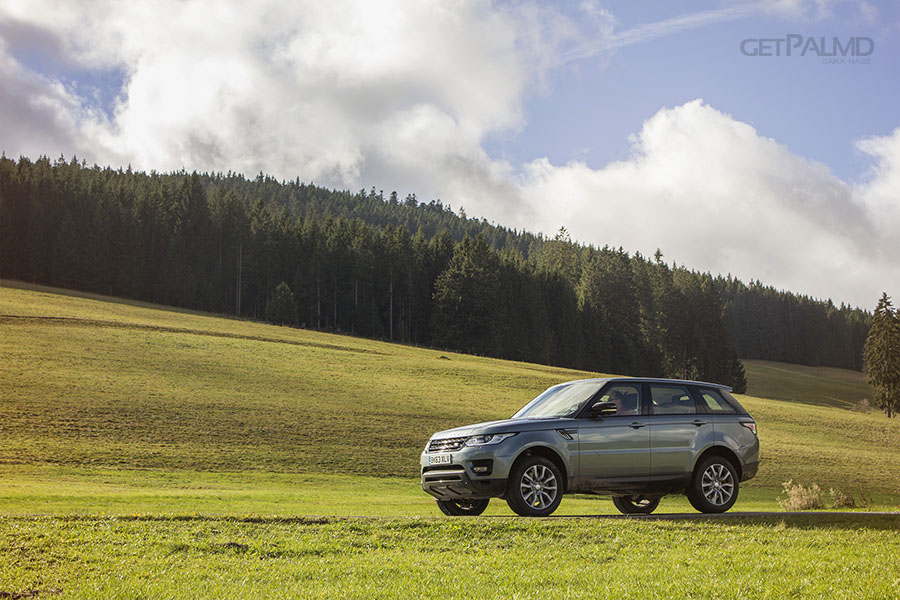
[671,400]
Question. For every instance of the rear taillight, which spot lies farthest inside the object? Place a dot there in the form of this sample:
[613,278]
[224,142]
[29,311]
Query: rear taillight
[750,426]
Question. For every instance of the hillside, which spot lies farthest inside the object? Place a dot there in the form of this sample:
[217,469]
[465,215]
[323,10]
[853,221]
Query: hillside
[822,386]
[94,382]
[106,383]
[405,271]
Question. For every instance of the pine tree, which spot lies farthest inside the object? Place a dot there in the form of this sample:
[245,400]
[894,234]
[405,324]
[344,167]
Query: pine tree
[281,307]
[466,298]
[882,356]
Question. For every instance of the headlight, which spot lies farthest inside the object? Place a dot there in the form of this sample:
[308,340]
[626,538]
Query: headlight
[488,440]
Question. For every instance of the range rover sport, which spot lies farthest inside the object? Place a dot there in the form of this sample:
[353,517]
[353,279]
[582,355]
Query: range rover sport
[635,439]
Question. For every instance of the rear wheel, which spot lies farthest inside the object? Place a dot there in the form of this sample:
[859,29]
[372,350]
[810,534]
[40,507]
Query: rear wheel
[463,507]
[534,488]
[635,505]
[714,488]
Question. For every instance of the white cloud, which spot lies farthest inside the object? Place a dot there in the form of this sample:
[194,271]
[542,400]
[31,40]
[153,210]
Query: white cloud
[39,114]
[881,192]
[714,195]
[311,88]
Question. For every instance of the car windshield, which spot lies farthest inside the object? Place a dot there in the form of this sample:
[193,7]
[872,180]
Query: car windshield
[561,400]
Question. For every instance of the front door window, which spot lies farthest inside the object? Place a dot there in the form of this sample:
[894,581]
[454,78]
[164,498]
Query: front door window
[627,399]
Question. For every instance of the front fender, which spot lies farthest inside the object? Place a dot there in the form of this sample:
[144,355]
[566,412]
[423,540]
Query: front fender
[564,450]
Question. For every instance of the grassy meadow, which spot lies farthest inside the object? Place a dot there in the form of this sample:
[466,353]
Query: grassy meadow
[821,386]
[97,386]
[781,557]
[154,452]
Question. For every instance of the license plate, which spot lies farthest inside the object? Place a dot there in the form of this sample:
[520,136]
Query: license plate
[439,459]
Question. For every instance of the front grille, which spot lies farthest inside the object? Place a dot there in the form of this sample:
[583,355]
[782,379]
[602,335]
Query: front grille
[441,468]
[447,444]
[437,477]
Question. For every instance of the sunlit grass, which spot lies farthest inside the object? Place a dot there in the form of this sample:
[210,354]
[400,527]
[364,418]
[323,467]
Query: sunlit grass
[147,388]
[98,383]
[822,386]
[183,455]
[804,557]
[52,490]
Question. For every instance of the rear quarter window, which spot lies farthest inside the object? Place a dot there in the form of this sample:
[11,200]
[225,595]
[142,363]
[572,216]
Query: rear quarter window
[714,402]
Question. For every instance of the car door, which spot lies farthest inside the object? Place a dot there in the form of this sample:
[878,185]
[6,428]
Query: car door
[677,431]
[615,447]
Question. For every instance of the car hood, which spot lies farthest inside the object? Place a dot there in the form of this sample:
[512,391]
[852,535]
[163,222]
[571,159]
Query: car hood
[504,426]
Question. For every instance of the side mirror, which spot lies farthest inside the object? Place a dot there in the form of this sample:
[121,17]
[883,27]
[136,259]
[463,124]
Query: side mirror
[603,408]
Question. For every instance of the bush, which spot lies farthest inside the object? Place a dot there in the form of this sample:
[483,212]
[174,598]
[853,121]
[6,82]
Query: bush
[799,497]
[842,500]
[865,500]
[863,406]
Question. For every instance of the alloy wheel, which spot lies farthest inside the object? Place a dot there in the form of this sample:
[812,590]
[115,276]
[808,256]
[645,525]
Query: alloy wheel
[717,484]
[538,486]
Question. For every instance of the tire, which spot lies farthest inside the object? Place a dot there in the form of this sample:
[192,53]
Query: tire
[535,487]
[714,487]
[635,505]
[463,507]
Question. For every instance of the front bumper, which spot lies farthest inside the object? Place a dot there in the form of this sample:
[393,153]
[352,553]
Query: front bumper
[459,479]
[453,482]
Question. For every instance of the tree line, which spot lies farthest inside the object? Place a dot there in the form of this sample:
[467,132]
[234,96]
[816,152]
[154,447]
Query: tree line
[398,269]
[769,324]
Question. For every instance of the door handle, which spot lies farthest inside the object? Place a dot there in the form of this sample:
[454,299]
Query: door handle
[698,422]
[637,425]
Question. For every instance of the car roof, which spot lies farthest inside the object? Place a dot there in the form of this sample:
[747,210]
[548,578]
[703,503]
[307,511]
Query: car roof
[603,380]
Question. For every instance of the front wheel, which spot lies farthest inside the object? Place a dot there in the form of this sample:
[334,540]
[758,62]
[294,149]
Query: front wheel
[534,488]
[714,488]
[635,505]
[463,507]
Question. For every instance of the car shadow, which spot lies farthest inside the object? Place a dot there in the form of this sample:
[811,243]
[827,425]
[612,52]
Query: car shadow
[889,521]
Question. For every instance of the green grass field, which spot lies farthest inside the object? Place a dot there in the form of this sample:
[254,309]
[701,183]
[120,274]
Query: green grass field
[821,386]
[99,385]
[136,440]
[783,557]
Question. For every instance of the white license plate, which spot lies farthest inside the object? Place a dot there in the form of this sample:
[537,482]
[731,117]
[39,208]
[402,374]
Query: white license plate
[440,459]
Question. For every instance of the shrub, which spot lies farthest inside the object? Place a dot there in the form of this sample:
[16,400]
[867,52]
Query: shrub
[865,500]
[842,500]
[799,497]
[863,406]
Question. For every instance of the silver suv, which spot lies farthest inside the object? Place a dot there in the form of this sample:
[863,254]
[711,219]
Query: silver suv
[634,439]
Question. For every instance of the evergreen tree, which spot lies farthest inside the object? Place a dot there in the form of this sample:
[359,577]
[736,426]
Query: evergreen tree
[466,300]
[560,255]
[882,356]
[281,307]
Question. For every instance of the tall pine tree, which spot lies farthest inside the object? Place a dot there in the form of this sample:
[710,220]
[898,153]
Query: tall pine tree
[882,356]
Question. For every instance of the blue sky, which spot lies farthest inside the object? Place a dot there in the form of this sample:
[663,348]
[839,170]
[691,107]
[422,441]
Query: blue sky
[818,110]
[633,124]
